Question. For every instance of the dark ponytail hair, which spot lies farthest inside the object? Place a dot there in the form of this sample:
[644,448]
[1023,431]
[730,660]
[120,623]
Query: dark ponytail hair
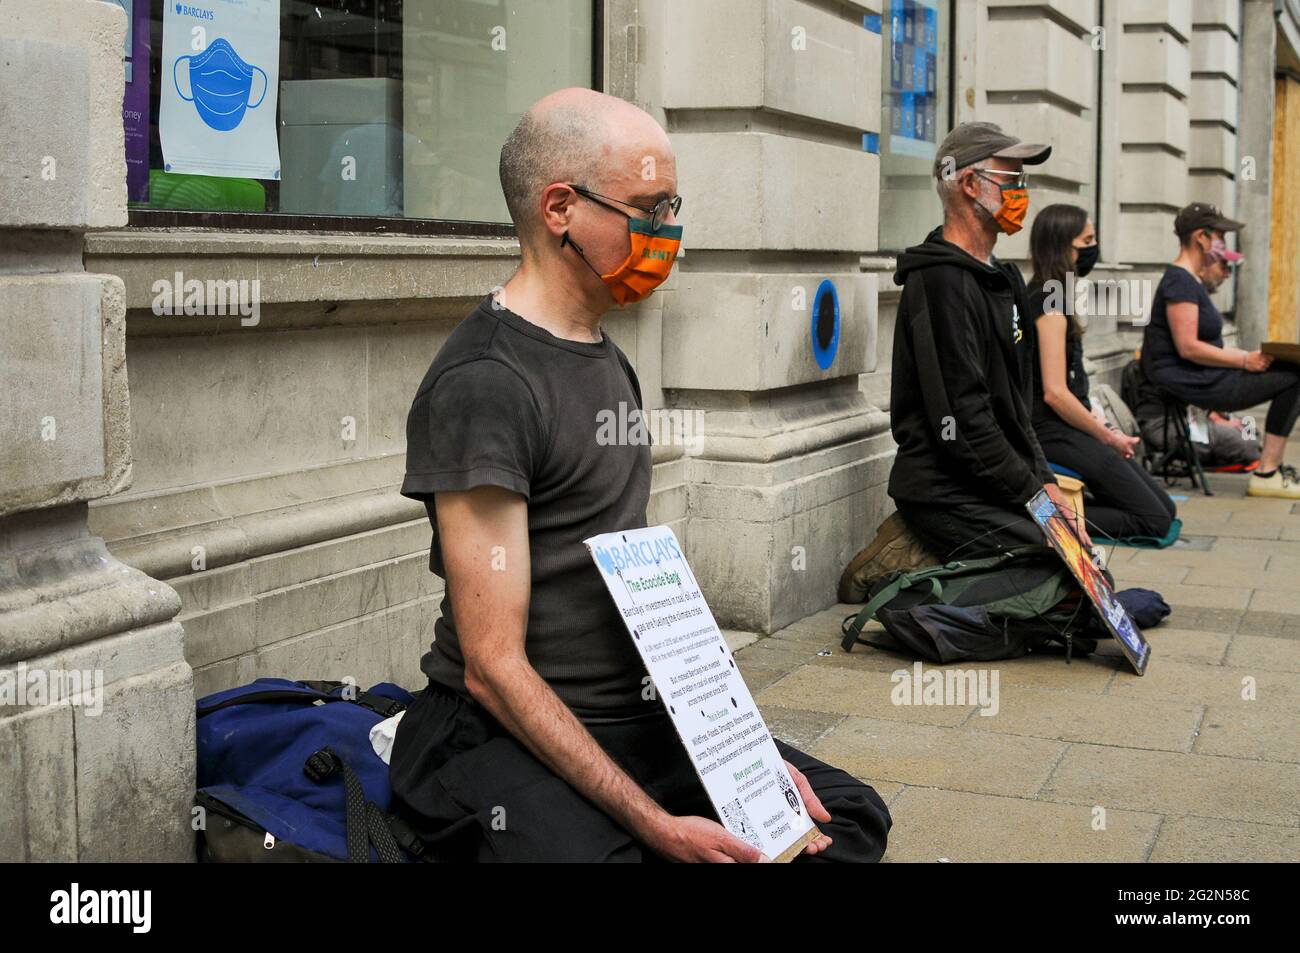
[1050,243]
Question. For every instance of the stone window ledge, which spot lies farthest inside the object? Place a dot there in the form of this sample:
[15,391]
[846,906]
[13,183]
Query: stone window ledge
[200,242]
[293,268]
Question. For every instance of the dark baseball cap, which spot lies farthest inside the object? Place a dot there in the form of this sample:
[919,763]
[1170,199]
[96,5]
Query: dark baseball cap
[973,141]
[1200,215]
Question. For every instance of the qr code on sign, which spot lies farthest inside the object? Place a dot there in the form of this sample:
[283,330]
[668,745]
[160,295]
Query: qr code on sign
[736,820]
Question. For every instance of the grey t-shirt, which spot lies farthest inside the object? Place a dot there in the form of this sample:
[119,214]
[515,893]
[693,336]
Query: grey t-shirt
[505,403]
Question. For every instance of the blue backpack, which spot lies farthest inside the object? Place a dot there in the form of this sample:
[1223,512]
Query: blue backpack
[286,772]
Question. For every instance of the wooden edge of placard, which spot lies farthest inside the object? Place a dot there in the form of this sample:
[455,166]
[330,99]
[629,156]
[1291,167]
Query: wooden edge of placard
[795,849]
[1282,350]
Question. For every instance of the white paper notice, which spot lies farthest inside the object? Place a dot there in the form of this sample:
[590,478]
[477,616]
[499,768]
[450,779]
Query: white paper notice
[696,677]
[219,86]
[1198,425]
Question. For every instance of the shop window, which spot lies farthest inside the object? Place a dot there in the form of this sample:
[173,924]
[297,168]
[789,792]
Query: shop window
[916,98]
[374,115]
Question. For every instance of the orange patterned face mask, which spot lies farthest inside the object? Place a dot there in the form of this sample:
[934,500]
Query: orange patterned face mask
[1015,206]
[647,265]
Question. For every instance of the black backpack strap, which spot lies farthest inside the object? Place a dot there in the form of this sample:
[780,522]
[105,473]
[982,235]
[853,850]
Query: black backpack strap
[406,838]
[380,834]
[380,704]
[270,695]
[366,823]
[319,767]
[321,685]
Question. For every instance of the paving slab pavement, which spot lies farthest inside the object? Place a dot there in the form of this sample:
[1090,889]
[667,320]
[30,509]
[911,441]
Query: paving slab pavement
[1199,760]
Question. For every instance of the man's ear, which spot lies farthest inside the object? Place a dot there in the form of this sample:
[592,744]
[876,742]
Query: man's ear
[557,207]
[966,182]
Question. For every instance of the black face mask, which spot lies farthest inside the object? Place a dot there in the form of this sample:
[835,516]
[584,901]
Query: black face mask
[1088,256]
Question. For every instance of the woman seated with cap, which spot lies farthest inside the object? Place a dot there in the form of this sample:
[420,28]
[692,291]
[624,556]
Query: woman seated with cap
[1125,501]
[1183,350]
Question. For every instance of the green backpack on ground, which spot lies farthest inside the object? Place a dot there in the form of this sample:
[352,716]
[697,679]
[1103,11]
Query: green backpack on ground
[995,607]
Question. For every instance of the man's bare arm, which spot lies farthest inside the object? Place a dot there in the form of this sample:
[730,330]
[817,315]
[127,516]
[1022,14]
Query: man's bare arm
[491,607]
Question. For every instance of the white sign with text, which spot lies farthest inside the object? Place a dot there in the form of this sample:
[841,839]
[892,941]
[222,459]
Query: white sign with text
[696,677]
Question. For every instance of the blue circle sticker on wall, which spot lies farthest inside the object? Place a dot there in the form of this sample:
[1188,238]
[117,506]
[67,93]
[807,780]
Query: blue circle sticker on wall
[825,324]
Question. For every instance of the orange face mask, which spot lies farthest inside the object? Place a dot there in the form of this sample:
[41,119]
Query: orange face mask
[1015,206]
[647,265]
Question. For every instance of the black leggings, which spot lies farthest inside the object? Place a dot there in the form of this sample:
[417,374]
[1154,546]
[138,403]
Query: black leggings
[1125,500]
[1242,389]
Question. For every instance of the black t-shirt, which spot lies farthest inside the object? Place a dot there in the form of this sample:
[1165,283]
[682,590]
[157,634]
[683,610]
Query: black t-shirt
[1160,358]
[505,403]
[1076,378]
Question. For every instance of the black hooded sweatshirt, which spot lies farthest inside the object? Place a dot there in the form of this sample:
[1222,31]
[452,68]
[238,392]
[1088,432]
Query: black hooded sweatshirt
[963,382]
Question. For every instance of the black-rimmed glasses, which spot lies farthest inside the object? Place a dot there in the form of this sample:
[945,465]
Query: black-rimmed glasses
[657,215]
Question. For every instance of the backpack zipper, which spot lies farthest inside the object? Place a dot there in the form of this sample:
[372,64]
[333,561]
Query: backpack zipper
[221,809]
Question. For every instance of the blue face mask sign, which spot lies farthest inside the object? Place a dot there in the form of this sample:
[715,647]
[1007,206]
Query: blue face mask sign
[221,85]
[218,102]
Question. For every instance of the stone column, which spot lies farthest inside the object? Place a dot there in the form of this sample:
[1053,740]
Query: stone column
[1037,72]
[772,106]
[96,699]
[1212,152]
[1212,156]
[1154,64]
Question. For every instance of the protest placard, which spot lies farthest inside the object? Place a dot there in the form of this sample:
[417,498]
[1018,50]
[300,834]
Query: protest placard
[707,699]
[1060,534]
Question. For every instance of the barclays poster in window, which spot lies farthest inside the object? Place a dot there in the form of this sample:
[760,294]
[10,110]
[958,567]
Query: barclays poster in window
[220,75]
[914,97]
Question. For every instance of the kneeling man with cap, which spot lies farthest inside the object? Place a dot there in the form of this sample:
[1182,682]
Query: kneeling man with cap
[961,391]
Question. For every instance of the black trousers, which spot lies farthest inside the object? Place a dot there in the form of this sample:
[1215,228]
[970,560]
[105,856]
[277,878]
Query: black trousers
[474,793]
[969,530]
[1126,500]
[1240,390]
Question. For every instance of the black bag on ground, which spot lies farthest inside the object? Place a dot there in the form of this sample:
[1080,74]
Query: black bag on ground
[1145,607]
[979,610]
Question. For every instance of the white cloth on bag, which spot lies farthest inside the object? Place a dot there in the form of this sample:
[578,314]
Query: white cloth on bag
[383,735]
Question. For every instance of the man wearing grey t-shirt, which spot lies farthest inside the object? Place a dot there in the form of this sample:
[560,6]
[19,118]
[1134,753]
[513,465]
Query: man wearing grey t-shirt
[537,737]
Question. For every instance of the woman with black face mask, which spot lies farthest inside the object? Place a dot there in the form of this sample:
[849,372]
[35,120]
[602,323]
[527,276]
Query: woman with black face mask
[1124,500]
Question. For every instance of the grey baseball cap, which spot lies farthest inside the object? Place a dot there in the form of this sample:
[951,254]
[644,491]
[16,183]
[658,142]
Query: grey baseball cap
[972,141]
[1200,215]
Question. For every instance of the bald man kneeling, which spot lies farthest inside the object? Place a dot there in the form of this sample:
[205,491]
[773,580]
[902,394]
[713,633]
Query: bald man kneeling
[536,739]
